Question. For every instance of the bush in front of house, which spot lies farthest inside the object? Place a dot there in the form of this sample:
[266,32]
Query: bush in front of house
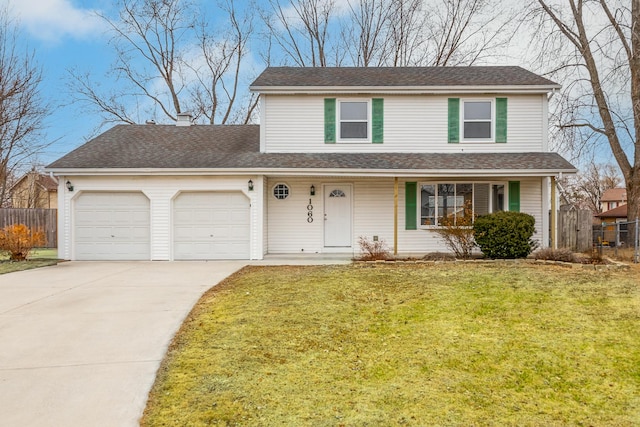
[505,235]
[18,241]
[375,250]
[560,254]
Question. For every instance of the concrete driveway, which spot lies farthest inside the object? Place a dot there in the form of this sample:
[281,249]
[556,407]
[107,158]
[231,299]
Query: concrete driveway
[80,342]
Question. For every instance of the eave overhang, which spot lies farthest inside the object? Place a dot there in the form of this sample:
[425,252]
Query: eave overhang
[403,90]
[336,172]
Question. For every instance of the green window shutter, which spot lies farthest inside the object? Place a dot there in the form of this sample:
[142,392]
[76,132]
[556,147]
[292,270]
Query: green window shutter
[501,119]
[329,120]
[411,206]
[514,196]
[377,124]
[454,120]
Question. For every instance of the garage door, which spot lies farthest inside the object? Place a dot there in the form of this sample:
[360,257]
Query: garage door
[111,226]
[211,225]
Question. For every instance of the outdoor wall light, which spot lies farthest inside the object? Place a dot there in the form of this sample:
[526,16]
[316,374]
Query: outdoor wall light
[250,185]
[69,186]
[312,190]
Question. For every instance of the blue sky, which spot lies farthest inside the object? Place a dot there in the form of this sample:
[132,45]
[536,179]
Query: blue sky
[66,34]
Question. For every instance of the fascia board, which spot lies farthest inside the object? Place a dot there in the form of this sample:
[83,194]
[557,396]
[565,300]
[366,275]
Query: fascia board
[315,172]
[403,90]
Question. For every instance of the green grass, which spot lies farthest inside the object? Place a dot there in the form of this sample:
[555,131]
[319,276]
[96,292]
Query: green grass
[392,345]
[38,258]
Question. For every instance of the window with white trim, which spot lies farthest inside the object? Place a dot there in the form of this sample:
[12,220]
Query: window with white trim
[354,120]
[477,120]
[281,191]
[442,203]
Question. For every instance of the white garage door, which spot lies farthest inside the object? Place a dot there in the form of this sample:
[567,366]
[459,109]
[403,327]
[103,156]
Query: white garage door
[111,226]
[211,225]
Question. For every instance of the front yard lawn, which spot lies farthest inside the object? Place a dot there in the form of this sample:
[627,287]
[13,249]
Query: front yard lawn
[373,345]
[39,258]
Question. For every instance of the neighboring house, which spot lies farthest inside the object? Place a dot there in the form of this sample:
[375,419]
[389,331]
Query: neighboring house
[618,214]
[35,190]
[612,198]
[340,153]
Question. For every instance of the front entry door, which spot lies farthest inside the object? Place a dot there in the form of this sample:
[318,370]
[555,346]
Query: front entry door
[337,215]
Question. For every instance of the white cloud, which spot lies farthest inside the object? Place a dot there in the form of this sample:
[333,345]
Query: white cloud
[51,20]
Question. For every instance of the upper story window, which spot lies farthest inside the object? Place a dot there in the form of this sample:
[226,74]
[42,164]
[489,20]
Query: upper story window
[477,119]
[354,120]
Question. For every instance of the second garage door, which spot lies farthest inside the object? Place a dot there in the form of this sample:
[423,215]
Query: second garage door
[211,225]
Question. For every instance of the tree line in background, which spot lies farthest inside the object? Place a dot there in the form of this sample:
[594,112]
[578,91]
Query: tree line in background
[170,58]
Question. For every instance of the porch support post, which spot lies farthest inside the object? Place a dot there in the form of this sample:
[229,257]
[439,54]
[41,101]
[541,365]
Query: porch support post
[395,216]
[554,214]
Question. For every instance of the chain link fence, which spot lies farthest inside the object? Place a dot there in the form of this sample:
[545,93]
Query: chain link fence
[619,239]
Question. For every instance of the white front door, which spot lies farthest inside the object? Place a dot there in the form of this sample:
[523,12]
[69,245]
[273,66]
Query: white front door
[337,215]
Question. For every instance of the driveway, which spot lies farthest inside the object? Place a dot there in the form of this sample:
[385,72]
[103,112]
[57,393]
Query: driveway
[80,342]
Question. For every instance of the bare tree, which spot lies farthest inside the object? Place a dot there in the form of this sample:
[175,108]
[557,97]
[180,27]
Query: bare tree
[22,110]
[168,62]
[393,32]
[364,32]
[405,42]
[600,43]
[587,187]
[301,29]
[463,32]
[216,88]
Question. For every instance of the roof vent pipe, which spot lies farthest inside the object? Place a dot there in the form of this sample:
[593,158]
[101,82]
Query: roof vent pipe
[184,119]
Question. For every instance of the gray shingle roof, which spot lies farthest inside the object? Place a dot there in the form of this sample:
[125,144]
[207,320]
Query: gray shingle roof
[237,147]
[398,77]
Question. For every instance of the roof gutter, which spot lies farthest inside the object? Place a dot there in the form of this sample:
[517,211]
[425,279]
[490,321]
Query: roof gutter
[403,90]
[365,173]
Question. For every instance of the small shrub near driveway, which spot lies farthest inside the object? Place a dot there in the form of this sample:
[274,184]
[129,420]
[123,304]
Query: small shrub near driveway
[505,235]
[465,344]
[18,241]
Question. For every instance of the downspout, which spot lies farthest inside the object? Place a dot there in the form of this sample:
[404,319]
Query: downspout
[395,216]
[554,213]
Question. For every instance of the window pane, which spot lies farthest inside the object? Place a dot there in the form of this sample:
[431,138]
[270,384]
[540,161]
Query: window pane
[498,198]
[481,199]
[353,111]
[446,203]
[464,202]
[353,130]
[477,130]
[427,204]
[480,110]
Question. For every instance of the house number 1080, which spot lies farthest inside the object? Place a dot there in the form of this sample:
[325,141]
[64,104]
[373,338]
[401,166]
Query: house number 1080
[309,212]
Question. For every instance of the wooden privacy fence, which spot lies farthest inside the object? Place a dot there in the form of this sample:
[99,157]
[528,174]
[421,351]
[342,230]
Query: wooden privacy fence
[575,229]
[36,219]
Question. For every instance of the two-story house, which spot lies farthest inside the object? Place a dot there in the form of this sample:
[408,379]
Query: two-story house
[383,153]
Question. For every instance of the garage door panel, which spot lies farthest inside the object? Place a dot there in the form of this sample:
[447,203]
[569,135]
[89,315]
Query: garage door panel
[211,225]
[112,226]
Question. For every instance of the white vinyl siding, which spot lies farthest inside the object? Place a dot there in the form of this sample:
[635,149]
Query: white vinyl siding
[412,124]
[289,232]
[289,229]
[160,191]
